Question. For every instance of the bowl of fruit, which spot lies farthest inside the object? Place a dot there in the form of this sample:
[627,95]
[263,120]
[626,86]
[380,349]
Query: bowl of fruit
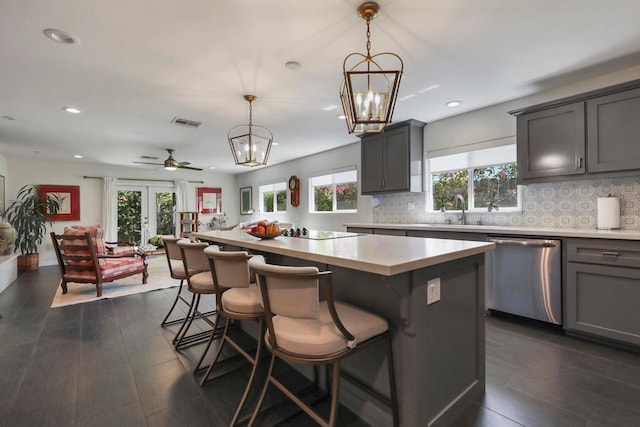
[264,230]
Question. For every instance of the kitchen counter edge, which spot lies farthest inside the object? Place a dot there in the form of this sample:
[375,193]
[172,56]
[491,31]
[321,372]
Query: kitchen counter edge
[508,230]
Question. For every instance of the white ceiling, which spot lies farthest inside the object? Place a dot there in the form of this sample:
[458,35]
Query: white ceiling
[140,63]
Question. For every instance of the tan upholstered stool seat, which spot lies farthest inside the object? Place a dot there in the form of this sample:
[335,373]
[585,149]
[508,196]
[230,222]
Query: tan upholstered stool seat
[321,336]
[243,300]
[201,282]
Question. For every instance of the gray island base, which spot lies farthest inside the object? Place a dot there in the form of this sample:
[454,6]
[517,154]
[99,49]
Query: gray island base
[439,348]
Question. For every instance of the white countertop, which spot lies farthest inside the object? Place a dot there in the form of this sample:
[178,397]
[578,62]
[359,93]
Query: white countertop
[384,255]
[510,230]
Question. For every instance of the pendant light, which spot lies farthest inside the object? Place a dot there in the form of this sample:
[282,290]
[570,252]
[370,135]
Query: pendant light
[250,144]
[369,91]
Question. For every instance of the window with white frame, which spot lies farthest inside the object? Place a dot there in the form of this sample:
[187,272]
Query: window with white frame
[487,179]
[334,192]
[273,197]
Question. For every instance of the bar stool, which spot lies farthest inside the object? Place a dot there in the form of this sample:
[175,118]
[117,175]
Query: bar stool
[199,282]
[302,329]
[177,271]
[237,299]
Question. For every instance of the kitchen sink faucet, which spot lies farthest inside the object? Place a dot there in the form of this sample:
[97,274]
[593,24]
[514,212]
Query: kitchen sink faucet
[461,217]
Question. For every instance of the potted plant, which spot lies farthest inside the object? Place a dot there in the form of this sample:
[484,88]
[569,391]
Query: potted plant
[28,214]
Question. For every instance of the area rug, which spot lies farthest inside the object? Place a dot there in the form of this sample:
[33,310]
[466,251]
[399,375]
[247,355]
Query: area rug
[159,278]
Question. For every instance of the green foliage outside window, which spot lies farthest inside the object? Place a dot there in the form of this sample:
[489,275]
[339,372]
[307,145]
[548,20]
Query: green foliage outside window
[268,202]
[281,200]
[164,212]
[492,186]
[446,185]
[129,207]
[346,195]
[496,186]
[323,198]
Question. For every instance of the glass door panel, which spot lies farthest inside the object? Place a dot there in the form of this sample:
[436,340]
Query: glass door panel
[132,214]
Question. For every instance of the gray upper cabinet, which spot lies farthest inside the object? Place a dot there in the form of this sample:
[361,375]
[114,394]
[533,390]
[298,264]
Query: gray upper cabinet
[613,132]
[592,135]
[392,159]
[551,142]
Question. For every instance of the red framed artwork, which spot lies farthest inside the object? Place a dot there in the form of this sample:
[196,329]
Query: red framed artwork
[70,206]
[209,200]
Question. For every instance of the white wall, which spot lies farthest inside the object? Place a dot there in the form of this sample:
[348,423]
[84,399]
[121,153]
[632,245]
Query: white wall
[22,171]
[494,126]
[303,168]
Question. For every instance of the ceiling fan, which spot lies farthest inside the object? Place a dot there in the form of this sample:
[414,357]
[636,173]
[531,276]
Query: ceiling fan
[171,164]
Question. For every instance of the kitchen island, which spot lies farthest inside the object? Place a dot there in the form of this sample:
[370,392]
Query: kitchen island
[438,347]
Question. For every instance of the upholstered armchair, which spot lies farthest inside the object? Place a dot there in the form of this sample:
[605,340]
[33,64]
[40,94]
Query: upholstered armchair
[84,257]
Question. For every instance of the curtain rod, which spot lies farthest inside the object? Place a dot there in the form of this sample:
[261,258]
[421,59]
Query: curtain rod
[142,179]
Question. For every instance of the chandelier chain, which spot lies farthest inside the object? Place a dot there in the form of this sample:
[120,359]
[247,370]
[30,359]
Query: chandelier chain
[368,39]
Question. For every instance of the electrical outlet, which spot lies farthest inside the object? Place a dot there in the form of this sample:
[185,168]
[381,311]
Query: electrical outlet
[433,291]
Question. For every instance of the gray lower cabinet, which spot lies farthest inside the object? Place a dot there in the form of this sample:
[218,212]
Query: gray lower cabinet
[392,159]
[602,289]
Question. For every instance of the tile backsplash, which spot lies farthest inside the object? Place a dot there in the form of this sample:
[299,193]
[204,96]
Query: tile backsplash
[556,205]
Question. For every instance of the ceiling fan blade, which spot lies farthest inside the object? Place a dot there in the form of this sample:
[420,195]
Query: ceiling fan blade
[148,163]
[184,163]
[189,167]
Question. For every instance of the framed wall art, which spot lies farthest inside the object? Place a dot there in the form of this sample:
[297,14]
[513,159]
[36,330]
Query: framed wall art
[209,200]
[246,201]
[70,206]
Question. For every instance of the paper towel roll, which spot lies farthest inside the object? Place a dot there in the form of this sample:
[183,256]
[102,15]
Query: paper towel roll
[608,213]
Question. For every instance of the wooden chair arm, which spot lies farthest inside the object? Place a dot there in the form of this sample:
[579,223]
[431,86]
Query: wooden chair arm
[325,276]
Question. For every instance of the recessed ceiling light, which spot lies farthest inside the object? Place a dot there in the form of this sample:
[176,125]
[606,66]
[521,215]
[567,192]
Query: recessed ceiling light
[212,167]
[292,65]
[275,143]
[60,36]
[77,156]
[71,110]
[341,117]
[329,108]
[453,103]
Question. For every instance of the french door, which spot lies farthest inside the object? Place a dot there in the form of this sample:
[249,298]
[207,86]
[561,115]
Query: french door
[145,211]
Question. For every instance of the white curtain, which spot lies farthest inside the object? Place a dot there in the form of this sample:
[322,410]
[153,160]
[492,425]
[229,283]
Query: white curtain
[110,208]
[182,201]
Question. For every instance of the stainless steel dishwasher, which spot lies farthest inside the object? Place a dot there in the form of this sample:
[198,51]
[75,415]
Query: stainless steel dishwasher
[524,278]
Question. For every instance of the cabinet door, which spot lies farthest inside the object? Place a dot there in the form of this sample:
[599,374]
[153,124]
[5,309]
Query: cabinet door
[551,143]
[603,301]
[371,164]
[395,172]
[613,133]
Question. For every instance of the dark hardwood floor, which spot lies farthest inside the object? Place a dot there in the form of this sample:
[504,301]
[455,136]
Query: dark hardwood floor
[109,363]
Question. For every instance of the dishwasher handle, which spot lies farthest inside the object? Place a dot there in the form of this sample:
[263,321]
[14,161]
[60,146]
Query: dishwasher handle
[525,242]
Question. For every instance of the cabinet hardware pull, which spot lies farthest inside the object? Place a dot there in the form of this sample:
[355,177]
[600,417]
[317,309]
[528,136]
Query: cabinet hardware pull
[610,253]
[579,162]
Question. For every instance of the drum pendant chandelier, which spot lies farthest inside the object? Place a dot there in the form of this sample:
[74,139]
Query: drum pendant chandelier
[250,144]
[368,91]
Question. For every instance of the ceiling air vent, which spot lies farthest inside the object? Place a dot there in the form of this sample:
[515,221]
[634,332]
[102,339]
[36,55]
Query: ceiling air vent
[185,122]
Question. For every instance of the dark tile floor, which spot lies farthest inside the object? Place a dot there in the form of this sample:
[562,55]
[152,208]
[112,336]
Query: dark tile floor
[108,363]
